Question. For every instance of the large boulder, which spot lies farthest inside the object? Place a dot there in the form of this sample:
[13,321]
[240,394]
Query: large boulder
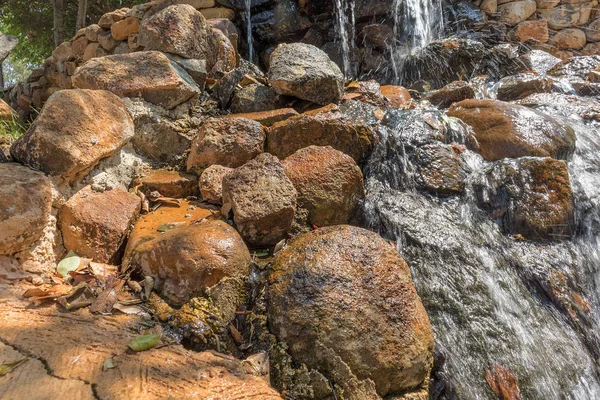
[74,131]
[342,298]
[229,142]
[304,71]
[328,128]
[263,200]
[328,182]
[187,257]
[504,130]
[182,30]
[96,224]
[25,205]
[256,98]
[531,197]
[147,74]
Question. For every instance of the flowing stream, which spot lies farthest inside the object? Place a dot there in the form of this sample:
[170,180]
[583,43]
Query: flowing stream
[249,30]
[345,29]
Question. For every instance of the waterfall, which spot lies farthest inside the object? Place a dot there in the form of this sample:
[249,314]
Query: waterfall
[345,29]
[249,30]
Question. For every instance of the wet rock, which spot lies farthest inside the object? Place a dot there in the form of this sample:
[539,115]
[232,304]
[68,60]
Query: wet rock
[122,29]
[256,98]
[189,258]
[536,30]
[263,200]
[380,36]
[537,61]
[328,128]
[567,15]
[397,96]
[96,224]
[569,39]
[25,205]
[504,130]
[366,92]
[211,183]
[328,182]
[563,104]
[303,71]
[502,382]
[575,67]
[147,74]
[519,86]
[74,131]
[266,118]
[167,183]
[6,112]
[440,169]
[451,93]
[343,300]
[182,30]
[515,12]
[531,197]
[228,142]
[281,23]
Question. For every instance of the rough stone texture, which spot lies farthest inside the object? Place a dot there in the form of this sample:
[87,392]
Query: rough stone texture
[592,31]
[256,98]
[263,200]
[96,224]
[531,197]
[567,15]
[304,71]
[147,74]
[107,42]
[536,30]
[25,205]
[122,29]
[6,112]
[211,183]
[228,142]
[167,183]
[440,169]
[328,182]
[266,118]
[575,67]
[569,39]
[188,259]
[329,128]
[504,130]
[515,12]
[181,30]
[451,93]
[74,131]
[519,86]
[342,298]
[110,18]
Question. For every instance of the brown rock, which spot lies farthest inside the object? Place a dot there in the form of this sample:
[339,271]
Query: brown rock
[398,96]
[342,298]
[107,42]
[92,31]
[451,93]
[78,46]
[218,12]
[256,98]
[592,31]
[329,128]
[591,49]
[366,92]
[546,4]
[93,50]
[567,15]
[211,183]
[515,12]
[328,182]
[519,86]
[122,29]
[190,258]
[263,200]
[489,6]
[502,382]
[147,74]
[63,52]
[504,130]
[96,224]
[108,19]
[569,39]
[25,205]
[532,30]
[167,183]
[98,126]
[266,118]
[380,36]
[440,169]
[227,142]
[226,55]
[6,112]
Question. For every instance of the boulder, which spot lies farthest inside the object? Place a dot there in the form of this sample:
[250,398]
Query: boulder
[92,31]
[304,71]
[567,15]
[263,200]
[167,183]
[211,183]
[489,6]
[516,87]
[107,42]
[571,38]
[121,30]
[218,13]
[281,23]
[328,182]
[451,93]
[329,128]
[96,224]
[531,197]
[93,50]
[189,258]
[591,49]
[266,118]
[108,19]
[564,104]
[256,98]
[227,142]
[74,131]
[147,74]
[397,96]
[441,169]
[532,30]
[517,11]
[342,299]
[575,67]
[380,36]
[6,112]
[504,130]
[592,31]
[25,205]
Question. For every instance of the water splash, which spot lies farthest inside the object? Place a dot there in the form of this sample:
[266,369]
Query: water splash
[346,32]
[249,30]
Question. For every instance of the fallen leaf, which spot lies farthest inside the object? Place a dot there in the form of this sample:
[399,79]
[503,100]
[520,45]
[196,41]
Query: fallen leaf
[70,263]
[130,310]
[80,297]
[106,300]
[53,292]
[236,335]
[108,364]
[145,342]
[6,368]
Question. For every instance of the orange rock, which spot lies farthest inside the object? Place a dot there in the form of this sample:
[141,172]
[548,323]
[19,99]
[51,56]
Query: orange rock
[122,29]
[211,183]
[6,112]
[571,38]
[266,118]
[398,96]
[218,12]
[536,30]
[95,224]
[167,183]
[502,382]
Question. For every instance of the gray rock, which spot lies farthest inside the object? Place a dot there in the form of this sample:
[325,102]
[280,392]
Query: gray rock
[254,98]
[7,44]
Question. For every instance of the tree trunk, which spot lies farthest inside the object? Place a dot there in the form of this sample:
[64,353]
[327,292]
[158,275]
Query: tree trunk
[81,14]
[59,12]
[1,77]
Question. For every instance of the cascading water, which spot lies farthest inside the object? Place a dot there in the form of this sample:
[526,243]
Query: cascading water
[249,30]
[488,295]
[345,29]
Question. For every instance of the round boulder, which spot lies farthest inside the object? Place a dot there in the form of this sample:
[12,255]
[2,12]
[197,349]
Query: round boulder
[328,182]
[343,295]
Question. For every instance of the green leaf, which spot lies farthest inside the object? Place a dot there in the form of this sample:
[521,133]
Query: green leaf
[145,342]
[6,368]
[108,364]
[262,254]
[70,263]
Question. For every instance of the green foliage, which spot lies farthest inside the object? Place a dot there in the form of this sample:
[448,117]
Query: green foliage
[11,129]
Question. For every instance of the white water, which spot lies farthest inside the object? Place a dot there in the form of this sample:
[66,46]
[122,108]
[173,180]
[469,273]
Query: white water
[345,29]
[249,30]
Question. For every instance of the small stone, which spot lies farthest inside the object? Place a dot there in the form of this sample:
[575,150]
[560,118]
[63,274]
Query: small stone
[398,96]
[515,12]
[211,183]
[167,183]
[108,19]
[569,39]
[532,30]
[122,29]
[592,31]
[451,93]
[92,31]
[266,118]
